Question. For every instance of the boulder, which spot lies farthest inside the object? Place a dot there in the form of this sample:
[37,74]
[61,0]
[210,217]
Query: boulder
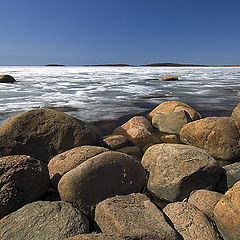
[236,112]
[134,151]
[205,200]
[190,222]
[98,236]
[42,134]
[172,122]
[66,161]
[175,170]
[115,142]
[226,213]
[219,136]
[168,78]
[22,180]
[6,79]
[138,130]
[171,106]
[133,216]
[44,220]
[103,176]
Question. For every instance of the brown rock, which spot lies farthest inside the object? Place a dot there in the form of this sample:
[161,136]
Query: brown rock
[98,236]
[133,216]
[175,170]
[170,138]
[219,136]
[168,78]
[226,213]
[115,142]
[205,200]
[236,112]
[66,161]
[22,180]
[138,130]
[42,134]
[171,106]
[103,176]
[6,79]
[190,222]
[133,151]
[44,220]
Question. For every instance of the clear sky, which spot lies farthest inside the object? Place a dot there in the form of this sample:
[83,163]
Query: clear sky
[75,32]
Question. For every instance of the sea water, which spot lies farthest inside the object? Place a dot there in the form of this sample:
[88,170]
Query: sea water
[96,93]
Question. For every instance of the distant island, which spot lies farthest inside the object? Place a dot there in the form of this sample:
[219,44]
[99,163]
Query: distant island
[109,65]
[55,65]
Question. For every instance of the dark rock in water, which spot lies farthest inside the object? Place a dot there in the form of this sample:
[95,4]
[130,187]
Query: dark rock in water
[190,222]
[98,236]
[66,161]
[168,78]
[175,170]
[133,216]
[205,200]
[226,213]
[172,122]
[7,79]
[219,136]
[172,106]
[44,220]
[103,176]
[42,134]
[22,180]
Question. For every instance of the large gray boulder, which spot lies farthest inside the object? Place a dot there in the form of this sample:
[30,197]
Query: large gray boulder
[66,161]
[190,222]
[44,220]
[133,216]
[22,180]
[6,79]
[219,136]
[175,170]
[103,176]
[42,134]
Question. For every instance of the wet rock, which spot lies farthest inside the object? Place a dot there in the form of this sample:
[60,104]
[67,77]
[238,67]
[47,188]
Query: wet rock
[219,136]
[66,161]
[226,213]
[44,220]
[175,170]
[171,106]
[6,79]
[133,151]
[22,180]
[42,134]
[190,222]
[172,122]
[133,216]
[138,130]
[115,142]
[103,176]
[168,78]
[205,200]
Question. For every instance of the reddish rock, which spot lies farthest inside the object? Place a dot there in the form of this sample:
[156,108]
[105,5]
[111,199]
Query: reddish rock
[190,222]
[115,142]
[226,213]
[22,180]
[138,130]
[175,170]
[205,200]
[103,176]
[133,216]
[171,106]
[219,136]
[66,161]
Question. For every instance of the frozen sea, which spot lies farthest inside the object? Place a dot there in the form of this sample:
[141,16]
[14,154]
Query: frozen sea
[97,93]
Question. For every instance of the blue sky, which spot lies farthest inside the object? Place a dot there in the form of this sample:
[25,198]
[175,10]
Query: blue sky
[75,32]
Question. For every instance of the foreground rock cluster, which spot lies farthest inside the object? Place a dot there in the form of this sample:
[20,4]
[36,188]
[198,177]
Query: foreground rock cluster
[170,175]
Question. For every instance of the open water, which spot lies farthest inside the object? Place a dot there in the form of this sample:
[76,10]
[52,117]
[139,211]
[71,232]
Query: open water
[97,93]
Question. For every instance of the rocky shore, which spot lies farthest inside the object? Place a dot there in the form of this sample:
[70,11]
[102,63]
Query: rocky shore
[169,175]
